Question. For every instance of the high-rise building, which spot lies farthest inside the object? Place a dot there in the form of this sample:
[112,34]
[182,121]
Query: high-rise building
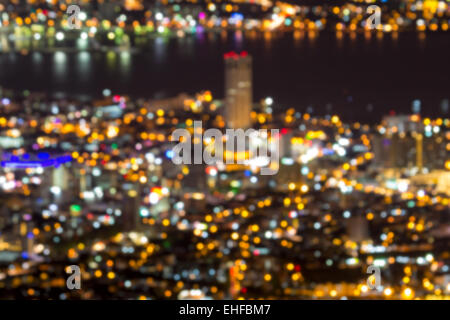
[357,228]
[238,90]
[403,123]
[409,150]
[131,220]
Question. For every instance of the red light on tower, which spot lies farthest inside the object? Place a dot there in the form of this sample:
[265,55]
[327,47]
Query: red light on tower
[234,55]
[284,131]
[230,54]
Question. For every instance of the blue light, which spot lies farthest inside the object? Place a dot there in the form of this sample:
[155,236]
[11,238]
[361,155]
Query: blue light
[169,154]
[15,162]
[237,16]
[43,155]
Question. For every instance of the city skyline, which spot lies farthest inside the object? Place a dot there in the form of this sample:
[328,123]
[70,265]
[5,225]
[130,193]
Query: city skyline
[224,151]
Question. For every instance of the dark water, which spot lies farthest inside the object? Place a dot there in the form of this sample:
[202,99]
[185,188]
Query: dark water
[322,73]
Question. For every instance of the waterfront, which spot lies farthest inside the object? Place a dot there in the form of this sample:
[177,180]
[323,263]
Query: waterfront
[319,72]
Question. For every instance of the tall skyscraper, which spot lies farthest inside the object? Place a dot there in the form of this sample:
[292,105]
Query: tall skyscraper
[419,151]
[131,219]
[358,228]
[238,90]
